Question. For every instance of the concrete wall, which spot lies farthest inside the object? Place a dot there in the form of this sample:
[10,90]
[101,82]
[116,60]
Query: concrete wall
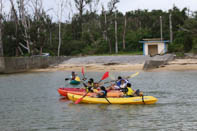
[2,64]
[21,64]
[161,47]
[152,64]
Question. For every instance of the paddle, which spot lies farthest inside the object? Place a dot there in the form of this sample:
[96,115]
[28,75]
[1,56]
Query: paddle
[133,75]
[104,77]
[107,100]
[80,99]
[128,77]
[82,71]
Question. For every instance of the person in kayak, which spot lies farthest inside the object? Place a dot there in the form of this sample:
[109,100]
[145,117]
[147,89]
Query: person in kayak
[129,92]
[123,83]
[91,86]
[88,86]
[102,93]
[120,83]
[73,75]
[92,80]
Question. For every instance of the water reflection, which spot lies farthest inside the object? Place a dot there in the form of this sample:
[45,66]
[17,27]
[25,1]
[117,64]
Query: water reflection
[63,99]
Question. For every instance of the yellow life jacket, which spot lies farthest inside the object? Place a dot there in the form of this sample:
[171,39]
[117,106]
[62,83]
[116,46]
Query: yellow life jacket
[130,91]
[77,78]
[95,90]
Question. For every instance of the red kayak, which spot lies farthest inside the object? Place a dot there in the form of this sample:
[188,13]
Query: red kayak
[81,91]
[64,91]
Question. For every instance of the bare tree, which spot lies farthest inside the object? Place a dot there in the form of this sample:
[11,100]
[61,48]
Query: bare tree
[14,14]
[170,24]
[124,32]
[105,24]
[26,24]
[21,21]
[161,28]
[80,5]
[1,17]
[61,5]
[94,5]
[116,34]
[38,13]
[112,7]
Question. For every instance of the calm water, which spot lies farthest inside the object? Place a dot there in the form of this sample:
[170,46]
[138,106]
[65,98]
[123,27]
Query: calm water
[30,102]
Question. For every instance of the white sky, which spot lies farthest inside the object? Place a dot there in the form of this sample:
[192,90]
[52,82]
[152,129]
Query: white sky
[128,5]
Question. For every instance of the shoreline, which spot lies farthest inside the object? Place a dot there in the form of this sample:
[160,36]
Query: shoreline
[174,65]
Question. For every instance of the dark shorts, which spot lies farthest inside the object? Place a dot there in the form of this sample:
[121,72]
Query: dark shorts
[137,92]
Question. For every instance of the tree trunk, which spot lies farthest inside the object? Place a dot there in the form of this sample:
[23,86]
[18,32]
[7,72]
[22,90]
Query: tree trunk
[60,41]
[171,33]
[105,30]
[1,42]
[24,24]
[110,46]
[124,33]
[41,50]
[161,28]
[80,20]
[50,38]
[16,27]
[116,37]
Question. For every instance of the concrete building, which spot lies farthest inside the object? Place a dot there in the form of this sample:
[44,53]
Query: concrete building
[154,46]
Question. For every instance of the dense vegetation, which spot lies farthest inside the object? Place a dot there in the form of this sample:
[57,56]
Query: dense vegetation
[90,32]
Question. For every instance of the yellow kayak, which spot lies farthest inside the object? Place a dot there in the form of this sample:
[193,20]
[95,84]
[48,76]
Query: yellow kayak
[122,100]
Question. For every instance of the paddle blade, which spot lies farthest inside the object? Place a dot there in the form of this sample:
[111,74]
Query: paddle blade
[79,100]
[133,75]
[105,75]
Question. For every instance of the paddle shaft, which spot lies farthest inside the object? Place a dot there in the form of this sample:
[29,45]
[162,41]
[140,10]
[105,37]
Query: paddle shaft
[79,100]
[82,70]
[107,100]
[104,77]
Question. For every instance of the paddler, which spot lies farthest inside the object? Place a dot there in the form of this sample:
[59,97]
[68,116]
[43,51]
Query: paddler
[102,93]
[73,75]
[88,86]
[129,92]
[91,86]
[120,83]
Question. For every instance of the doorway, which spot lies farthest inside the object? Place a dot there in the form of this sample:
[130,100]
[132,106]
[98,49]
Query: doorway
[152,50]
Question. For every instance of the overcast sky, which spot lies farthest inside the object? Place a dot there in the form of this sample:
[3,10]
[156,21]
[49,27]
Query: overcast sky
[128,5]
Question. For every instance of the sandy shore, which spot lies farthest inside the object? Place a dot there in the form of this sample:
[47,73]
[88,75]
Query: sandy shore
[175,65]
[179,65]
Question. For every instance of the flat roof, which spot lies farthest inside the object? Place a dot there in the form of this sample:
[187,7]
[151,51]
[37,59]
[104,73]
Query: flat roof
[163,41]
